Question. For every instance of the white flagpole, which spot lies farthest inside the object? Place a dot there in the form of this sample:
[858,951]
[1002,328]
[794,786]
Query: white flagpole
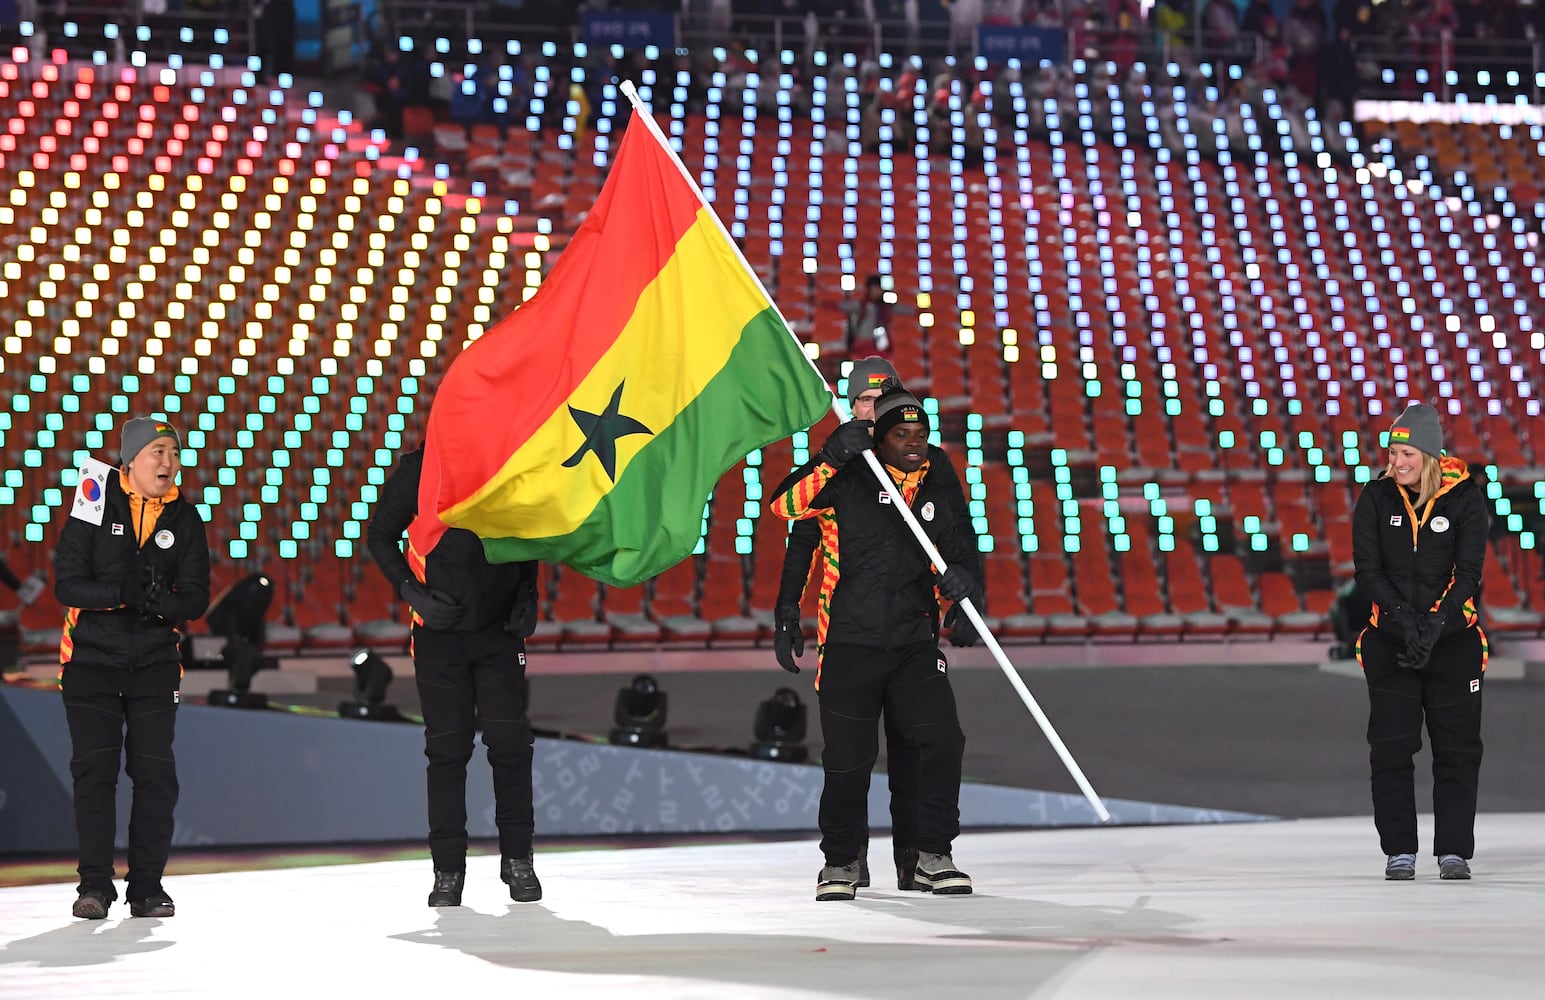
[643,114]
[998,654]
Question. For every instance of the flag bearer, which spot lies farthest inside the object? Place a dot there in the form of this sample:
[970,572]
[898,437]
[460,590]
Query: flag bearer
[877,643]
[799,562]
[470,623]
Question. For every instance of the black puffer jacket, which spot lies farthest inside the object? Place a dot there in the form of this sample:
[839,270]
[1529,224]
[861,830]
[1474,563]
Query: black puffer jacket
[805,538]
[91,563]
[878,586]
[457,566]
[1436,566]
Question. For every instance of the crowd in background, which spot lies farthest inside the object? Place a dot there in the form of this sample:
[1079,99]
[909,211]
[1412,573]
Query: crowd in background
[1225,69]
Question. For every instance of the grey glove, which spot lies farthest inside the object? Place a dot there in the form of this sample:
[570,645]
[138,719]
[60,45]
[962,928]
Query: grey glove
[788,637]
[141,588]
[955,584]
[1421,639]
[846,443]
[1398,622]
[962,630]
[437,609]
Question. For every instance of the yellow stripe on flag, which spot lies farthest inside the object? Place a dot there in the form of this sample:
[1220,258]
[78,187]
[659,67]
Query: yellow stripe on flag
[681,333]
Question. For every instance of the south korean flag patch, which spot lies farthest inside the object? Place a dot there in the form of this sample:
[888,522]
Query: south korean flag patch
[91,493]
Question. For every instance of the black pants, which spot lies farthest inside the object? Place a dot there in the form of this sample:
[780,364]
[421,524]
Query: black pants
[110,709]
[468,680]
[909,685]
[1448,694]
[901,776]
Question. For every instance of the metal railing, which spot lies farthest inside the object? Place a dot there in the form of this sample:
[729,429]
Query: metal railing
[1449,67]
[90,32]
[1388,67]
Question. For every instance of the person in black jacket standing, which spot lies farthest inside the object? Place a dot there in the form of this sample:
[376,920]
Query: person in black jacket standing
[800,561]
[128,583]
[470,622]
[877,638]
[1419,544]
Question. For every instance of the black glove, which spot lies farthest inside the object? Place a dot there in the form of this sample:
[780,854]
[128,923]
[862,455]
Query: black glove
[955,584]
[962,630]
[846,443]
[141,588]
[788,637]
[523,615]
[438,610]
[1421,639]
[1398,622]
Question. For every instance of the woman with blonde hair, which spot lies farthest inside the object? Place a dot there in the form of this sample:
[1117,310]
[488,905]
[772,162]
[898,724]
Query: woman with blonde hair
[1419,544]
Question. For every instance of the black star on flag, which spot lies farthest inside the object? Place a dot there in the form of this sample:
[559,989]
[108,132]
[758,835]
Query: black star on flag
[601,432]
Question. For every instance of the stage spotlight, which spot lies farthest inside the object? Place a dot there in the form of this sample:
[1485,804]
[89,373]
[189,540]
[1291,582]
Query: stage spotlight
[779,730]
[372,676]
[242,611]
[640,714]
[238,616]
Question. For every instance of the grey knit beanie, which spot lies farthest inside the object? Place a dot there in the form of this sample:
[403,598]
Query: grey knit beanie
[140,431]
[1418,427]
[867,374]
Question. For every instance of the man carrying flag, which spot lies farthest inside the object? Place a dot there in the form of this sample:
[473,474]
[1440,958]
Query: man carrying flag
[590,426]
[877,640]
[470,623]
[805,558]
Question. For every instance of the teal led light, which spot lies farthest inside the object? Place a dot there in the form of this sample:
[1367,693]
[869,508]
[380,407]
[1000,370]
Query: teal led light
[1159,508]
[1207,524]
[1071,523]
[801,441]
[1253,528]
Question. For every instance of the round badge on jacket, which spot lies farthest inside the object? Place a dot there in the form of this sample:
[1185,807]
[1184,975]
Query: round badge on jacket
[1440,524]
[927,511]
[165,538]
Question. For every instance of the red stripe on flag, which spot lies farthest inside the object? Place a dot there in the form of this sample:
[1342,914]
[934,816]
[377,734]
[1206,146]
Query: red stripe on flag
[504,387]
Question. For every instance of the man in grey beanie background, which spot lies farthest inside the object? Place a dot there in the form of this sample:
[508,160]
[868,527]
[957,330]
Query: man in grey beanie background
[127,584]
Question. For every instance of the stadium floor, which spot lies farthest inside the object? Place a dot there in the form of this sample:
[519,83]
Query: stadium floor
[1266,910]
[1244,733]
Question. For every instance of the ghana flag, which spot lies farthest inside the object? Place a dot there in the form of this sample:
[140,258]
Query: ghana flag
[590,425]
